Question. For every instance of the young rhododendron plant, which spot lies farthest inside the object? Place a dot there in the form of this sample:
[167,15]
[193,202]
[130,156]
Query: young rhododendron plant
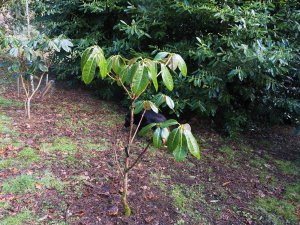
[135,76]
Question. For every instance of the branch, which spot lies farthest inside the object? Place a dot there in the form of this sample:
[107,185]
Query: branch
[138,158]
[24,86]
[138,126]
[37,87]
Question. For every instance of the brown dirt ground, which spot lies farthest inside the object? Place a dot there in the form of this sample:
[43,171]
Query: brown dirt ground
[229,184]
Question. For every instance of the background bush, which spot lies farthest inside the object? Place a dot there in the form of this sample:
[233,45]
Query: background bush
[243,56]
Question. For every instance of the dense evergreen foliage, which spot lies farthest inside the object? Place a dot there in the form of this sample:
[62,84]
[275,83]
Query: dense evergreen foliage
[243,56]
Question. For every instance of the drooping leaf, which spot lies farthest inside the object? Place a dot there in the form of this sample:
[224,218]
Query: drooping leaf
[159,99]
[140,80]
[153,107]
[192,144]
[156,138]
[180,153]
[66,45]
[117,64]
[43,67]
[89,67]
[138,107]
[131,71]
[165,134]
[181,64]
[153,73]
[170,102]
[168,123]
[103,66]
[173,139]
[173,62]
[167,77]
[161,55]
[146,129]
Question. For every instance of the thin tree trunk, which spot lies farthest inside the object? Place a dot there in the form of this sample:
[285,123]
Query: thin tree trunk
[127,210]
[32,83]
[28,19]
[18,85]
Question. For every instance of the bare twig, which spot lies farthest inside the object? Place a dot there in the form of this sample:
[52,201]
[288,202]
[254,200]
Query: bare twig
[138,158]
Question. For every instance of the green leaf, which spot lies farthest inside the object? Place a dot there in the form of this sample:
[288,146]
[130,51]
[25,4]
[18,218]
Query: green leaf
[192,144]
[180,153]
[173,139]
[159,99]
[153,73]
[168,123]
[167,78]
[66,45]
[161,55]
[138,107]
[146,129]
[170,102]
[153,107]
[43,68]
[165,133]
[117,64]
[156,138]
[103,66]
[140,80]
[89,68]
[181,64]
[131,72]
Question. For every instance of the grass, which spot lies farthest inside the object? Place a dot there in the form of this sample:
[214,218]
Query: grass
[6,125]
[19,185]
[23,217]
[288,167]
[293,192]
[185,199]
[30,183]
[276,211]
[228,151]
[64,145]
[6,103]
[28,155]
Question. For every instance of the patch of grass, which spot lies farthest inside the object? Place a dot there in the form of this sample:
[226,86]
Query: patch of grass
[288,167]
[28,155]
[6,163]
[50,181]
[185,198]
[23,217]
[258,162]
[19,185]
[6,125]
[293,192]
[228,151]
[64,145]
[159,179]
[4,205]
[29,183]
[277,211]
[6,103]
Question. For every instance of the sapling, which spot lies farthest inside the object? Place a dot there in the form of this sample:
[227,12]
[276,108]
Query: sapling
[29,59]
[135,76]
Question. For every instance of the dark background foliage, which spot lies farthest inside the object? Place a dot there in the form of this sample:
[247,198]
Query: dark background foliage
[243,56]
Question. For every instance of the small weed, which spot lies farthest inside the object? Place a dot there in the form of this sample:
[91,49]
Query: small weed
[19,185]
[24,217]
[4,205]
[277,211]
[288,167]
